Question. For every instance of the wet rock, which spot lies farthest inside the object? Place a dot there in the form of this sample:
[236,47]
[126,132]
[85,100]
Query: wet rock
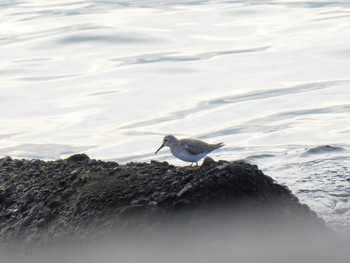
[170,197]
[208,161]
[18,163]
[35,162]
[75,172]
[43,222]
[20,188]
[26,198]
[33,212]
[140,201]
[184,190]
[27,221]
[158,196]
[80,195]
[11,210]
[236,169]
[49,217]
[5,159]
[54,203]
[82,157]
[2,198]
[67,193]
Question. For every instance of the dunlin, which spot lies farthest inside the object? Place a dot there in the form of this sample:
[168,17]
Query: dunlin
[188,150]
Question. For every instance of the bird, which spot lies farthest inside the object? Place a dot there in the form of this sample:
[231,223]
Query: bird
[188,150]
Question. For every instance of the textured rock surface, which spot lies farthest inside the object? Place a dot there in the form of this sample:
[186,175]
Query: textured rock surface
[45,201]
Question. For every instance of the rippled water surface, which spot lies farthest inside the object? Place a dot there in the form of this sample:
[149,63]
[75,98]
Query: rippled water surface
[271,79]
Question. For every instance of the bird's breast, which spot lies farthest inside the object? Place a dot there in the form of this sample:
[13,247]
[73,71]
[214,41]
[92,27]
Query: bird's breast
[186,156]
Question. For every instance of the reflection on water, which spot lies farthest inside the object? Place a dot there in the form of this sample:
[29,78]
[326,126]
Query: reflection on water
[110,78]
[164,57]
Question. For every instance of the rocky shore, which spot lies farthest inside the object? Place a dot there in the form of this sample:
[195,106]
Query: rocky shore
[45,201]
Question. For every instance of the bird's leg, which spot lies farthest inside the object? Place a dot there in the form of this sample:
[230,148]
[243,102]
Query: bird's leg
[196,163]
[192,164]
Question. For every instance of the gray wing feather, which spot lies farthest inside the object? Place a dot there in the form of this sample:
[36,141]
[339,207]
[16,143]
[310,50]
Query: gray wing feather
[196,146]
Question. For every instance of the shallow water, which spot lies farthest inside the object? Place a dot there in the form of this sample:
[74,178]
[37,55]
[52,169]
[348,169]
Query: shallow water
[110,78]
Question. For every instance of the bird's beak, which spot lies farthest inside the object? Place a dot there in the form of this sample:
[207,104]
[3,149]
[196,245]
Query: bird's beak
[159,148]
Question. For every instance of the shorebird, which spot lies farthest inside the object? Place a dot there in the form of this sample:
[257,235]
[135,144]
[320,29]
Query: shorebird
[188,150]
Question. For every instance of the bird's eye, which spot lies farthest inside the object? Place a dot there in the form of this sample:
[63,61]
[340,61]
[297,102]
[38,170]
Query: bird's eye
[165,140]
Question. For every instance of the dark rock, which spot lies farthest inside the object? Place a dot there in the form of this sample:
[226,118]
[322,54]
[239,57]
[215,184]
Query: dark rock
[67,193]
[35,162]
[236,169]
[11,209]
[160,163]
[20,188]
[184,190]
[208,161]
[54,203]
[36,174]
[81,196]
[62,184]
[25,198]
[2,198]
[170,197]
[158,196]
[92,162]
[49,217]
[81,157]
[33,212]
[19,163]
[27,221]
[140,201]
[75,172]
[41,223]
[6,159]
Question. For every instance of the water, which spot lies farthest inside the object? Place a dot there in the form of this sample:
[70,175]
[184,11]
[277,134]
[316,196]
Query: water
[110,78]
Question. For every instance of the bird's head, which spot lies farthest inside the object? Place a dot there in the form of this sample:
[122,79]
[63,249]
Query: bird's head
[168,140]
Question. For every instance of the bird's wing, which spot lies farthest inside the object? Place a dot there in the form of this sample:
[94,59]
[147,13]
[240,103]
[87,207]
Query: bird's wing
[195,146]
